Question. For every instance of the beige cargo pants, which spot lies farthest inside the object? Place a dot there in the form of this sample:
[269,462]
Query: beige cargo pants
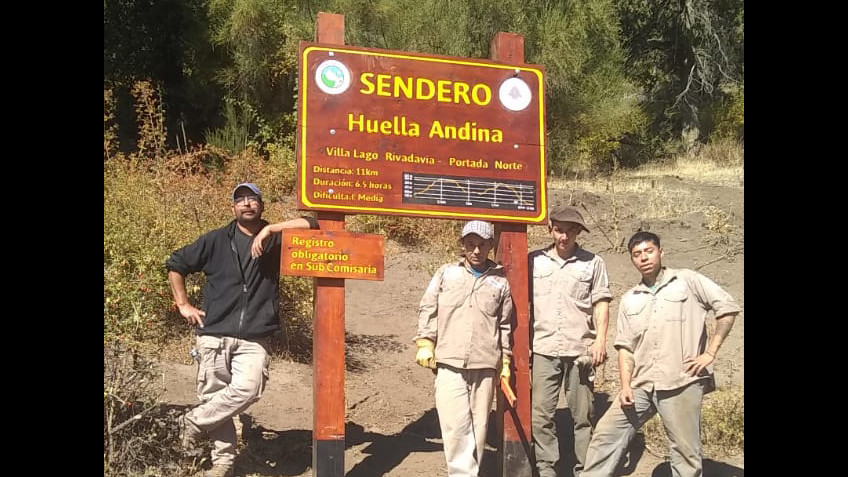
[230,377]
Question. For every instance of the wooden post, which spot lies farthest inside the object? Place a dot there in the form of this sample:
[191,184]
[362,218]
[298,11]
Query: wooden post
[328,347]
[515,459]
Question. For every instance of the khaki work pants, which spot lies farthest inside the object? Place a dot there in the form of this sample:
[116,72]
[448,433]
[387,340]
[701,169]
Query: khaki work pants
[680,411]
[549,375]
[463,401]
[230,377]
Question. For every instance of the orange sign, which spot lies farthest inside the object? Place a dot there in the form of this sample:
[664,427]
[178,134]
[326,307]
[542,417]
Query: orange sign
[400,133]
[332,254]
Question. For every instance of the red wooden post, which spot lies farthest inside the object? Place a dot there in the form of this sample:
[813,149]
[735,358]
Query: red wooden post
[328,379]
[515,453]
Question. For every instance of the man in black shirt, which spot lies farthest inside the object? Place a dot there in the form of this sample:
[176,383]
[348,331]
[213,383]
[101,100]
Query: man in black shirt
[241,262]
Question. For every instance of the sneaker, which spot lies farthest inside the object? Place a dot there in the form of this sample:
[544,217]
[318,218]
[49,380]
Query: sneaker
[189,435]
[219,470]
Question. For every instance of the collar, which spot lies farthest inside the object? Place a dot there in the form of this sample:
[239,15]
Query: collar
[551,253]
[233,225]
[668,274]
[491,266]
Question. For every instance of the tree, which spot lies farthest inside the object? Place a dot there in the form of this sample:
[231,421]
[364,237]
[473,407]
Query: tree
[166,42]
[686,55]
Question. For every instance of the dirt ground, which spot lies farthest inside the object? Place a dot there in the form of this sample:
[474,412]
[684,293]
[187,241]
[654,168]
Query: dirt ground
[391,424]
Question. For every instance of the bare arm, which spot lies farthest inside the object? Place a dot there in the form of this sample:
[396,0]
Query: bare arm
[191,314]
[723,325]
[600,314]
[298,223]
[625,373]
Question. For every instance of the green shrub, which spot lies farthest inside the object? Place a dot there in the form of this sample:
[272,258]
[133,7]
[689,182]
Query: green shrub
[730,115]
[150,117]
[110,127]
[235,134]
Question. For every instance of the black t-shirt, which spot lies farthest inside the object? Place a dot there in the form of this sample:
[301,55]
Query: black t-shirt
[243,243]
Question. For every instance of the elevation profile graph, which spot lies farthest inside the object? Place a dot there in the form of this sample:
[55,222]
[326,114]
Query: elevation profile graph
[458,191]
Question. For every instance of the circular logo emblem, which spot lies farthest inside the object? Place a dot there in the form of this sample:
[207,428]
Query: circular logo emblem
[332,77]
[514,94]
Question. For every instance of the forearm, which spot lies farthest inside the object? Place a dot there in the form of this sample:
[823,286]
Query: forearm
[625,367]
[722,329]
[298,223]
[177,282]
[600,314]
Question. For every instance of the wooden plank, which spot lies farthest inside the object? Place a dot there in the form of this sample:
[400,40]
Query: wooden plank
[328,378]
[333,254]
[515,459]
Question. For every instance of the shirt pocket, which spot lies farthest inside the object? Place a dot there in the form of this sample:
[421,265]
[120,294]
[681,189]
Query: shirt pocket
[489,301]
[489,296]
[637,311]
[542,281]
[452,295]
[673,302]
[580,285]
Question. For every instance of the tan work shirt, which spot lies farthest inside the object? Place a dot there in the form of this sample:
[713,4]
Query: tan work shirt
[467,317]
[564,294]
[666,326]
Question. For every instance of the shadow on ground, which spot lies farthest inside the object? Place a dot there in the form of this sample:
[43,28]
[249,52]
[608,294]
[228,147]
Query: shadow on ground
[289,453]
[711,468]
[386,452]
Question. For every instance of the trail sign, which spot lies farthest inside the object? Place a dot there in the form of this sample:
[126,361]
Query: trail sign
[332,254]
[400,133]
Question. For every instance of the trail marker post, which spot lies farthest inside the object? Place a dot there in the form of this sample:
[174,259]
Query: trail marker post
[410,134]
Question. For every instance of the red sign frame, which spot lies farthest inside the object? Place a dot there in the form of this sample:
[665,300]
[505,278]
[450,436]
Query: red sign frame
[399,133]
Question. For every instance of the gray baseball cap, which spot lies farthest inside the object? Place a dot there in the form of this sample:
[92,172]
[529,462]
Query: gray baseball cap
[479,227]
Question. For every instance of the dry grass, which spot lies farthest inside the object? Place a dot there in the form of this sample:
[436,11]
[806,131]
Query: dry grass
[649,199]
[719,163]
[718,225]
[649,191]
[690,168]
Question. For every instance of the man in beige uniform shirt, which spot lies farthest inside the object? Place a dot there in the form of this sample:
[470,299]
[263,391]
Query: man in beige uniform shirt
[570,314]
[665,361]
[464,332]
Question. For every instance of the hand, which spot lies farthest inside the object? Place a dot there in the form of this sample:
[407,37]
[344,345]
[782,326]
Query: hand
[256,246]
[625,397]
[192,315]
[505,371]
[694,366]
[598,352]
[425,357]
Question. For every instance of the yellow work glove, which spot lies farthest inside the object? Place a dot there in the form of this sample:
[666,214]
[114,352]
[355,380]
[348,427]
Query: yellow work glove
[424,356]
[505,371]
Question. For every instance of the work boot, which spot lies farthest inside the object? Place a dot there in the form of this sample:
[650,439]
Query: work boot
[219,470]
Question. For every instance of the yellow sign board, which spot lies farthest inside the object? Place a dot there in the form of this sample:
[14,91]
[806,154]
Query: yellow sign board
[332,254]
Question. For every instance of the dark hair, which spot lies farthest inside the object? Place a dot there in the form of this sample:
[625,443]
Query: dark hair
[640,237]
